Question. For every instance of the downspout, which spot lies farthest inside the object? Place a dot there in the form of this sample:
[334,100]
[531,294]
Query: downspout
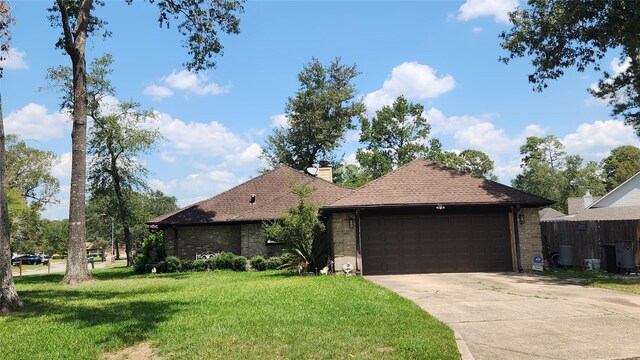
[514,211]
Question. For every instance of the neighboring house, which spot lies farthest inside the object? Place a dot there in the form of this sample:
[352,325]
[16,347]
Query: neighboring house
[419,218]
[577,205]
[232,221]
[596,221]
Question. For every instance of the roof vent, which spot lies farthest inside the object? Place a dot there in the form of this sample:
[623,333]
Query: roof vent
[252,200]
[588,199]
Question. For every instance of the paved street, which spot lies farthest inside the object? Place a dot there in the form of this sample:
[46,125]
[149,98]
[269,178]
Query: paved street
[56,267]
[517,316]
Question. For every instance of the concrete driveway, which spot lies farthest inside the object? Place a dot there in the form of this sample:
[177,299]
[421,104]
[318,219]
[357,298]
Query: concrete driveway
[517,316]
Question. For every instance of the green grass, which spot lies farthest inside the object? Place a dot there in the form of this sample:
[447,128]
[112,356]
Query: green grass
[220,315]
[599,279]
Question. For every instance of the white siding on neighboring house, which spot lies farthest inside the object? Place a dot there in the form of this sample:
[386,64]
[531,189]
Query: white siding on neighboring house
[627,194]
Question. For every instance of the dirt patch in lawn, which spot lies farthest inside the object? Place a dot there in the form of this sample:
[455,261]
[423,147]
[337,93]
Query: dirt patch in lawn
[141,351]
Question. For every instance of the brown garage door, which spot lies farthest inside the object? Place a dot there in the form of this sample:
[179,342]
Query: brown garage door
[413,244]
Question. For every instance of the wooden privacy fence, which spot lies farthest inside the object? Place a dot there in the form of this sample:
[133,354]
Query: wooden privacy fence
[586,237]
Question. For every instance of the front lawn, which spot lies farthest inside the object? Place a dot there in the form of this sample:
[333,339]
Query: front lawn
[219,315]
[599,279]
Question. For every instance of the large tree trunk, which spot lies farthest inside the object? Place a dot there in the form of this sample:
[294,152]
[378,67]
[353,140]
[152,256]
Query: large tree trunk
[77,270]
[124,216]
[9,299]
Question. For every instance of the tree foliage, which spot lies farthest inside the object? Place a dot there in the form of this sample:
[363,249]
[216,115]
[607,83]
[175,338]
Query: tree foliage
[474,162]
[550,173]
[29,171]
[349,175]
[563,34]
[620,165]
[396,135]
[318,116]
[301,231]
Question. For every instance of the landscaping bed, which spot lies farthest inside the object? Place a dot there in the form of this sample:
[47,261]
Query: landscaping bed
[219,315]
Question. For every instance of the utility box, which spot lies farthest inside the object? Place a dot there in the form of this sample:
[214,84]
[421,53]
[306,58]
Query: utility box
[566,255]
[626,257]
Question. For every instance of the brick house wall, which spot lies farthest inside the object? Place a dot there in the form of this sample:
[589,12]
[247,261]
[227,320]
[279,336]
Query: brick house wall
[530,237]
[253,242]
[240,239]
[192,240]
[342,239]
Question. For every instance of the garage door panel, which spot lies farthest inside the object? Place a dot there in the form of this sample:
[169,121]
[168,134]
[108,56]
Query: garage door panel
[435,243]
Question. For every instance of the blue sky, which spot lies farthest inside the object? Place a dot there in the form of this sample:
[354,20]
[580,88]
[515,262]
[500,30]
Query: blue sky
[442,54]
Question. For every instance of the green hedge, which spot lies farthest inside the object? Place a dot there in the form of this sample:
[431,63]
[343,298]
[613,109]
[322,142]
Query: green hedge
[223,261]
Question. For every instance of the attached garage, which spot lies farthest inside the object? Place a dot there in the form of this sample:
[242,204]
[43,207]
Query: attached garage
[413,244]
[426,218]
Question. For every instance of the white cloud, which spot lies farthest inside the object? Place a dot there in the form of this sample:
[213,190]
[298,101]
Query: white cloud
[476,29]
[165,156]
[62,167]
[158,92]
[280,120]
[473,9]
[594,141]
[618,67]
[351,159]
[34,122]
[250,156]
[414,81]
[15,60]
[188,81]
[60,210]
[166,187]
[209,183]
[208,139]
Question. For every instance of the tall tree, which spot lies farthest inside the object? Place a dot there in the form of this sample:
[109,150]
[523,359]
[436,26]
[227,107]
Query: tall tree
[9,299]
[550,173]
[563,34]
[116,142]
[396,135]
[477,163]
[620,165]
[200,22]
[318,116]
[548,149]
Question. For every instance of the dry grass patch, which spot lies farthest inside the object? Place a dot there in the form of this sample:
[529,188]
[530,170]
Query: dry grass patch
[141,351]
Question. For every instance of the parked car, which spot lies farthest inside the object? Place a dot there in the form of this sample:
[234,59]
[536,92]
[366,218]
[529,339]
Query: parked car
[27,260]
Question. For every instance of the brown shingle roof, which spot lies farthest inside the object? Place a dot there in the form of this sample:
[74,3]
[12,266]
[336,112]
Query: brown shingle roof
[603,214]
[549,214]
[272,197]
[422,182]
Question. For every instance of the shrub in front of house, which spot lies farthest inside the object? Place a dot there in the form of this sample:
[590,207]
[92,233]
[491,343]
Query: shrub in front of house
[199,265]
[258,263]
[151,251]
[170,264]
[139,263]
[210,263]
[230,261]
